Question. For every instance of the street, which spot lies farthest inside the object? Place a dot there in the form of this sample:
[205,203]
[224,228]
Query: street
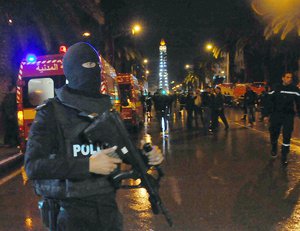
[225,181]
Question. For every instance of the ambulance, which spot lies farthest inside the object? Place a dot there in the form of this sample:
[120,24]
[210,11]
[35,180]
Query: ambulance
[238,90]
[37,79]
[131,100]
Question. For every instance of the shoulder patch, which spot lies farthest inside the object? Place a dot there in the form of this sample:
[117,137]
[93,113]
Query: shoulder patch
[40,106]
[46,103]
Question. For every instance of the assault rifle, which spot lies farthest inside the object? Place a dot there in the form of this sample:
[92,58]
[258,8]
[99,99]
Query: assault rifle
[109,129]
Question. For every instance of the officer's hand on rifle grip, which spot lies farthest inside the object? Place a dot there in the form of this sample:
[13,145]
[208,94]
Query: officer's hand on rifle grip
[102,163]
[153,153]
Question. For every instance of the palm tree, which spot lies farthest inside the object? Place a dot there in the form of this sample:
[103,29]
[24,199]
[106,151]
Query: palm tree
[191,81]
[282,17]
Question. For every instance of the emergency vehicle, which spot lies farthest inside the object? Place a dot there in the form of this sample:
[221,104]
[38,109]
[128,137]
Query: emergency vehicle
[37,79]
[239,89]
[130,96]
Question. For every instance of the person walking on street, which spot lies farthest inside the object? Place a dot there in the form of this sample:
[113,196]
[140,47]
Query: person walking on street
[190,107]
[10,121]
[198,108]
[207,103]
[218,110]
[280,113]
[161,104]
[249,103]
[63,167]
[149,105]
[263,102]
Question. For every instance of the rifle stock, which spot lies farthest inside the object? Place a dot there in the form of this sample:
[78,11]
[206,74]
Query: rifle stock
[109,129]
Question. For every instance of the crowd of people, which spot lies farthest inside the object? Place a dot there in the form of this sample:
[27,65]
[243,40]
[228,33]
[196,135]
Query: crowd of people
[201,106]
[277,105]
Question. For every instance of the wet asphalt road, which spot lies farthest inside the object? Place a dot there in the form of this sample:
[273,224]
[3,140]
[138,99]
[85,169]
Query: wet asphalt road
[223,181]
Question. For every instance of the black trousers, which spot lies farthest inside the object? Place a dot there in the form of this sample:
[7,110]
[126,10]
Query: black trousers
[285,122]
[215,118]
[162,118]
[98,213]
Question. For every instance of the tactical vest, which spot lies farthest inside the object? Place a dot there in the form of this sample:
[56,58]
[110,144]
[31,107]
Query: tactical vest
[72,146]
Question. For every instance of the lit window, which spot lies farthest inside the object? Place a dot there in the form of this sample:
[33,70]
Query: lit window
[40,90]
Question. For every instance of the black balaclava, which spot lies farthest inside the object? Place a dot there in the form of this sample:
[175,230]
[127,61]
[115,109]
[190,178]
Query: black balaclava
[82,70]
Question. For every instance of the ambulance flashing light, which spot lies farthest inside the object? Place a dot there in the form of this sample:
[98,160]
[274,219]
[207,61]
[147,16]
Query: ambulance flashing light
[62,49]
[30,58]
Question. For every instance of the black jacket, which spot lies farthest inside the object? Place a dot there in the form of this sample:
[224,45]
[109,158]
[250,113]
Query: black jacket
[219,102]
[283,99]
[57,158]
[250,98]
[207,99]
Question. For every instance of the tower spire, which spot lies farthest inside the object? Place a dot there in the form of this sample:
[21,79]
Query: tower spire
[163,70]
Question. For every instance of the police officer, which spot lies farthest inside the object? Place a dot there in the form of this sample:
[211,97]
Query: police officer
[218,110]
[207,105]
[62,166]
[249,104]
[281,111]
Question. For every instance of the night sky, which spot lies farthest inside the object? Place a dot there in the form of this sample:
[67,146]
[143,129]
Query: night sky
[185,25]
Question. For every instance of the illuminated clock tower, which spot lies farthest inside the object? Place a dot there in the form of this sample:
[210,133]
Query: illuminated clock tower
[163,70]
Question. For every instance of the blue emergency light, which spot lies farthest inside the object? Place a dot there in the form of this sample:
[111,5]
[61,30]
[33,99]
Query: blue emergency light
[31,58]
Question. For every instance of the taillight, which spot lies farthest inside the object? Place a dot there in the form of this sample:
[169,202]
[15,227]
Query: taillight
[20,118]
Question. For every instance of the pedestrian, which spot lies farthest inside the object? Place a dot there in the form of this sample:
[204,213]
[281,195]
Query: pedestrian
[207,103]
[181,99]
[198,108]
[263,102]
[77,180]
[280,113]
[218,110]
[161,104]
[190,107]
[249,104]
[10,121]
[149,105]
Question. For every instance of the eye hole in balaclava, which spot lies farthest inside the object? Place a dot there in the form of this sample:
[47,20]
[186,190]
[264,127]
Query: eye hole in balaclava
[81,68]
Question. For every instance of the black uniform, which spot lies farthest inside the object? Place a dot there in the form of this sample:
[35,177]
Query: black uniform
[218,111]
[207,105]
[281,110]
[57,156]
[190,107]
[249,104]
[161,105]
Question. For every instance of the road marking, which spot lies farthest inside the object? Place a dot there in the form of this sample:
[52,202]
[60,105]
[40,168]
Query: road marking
[11,158]
[10,176]
[294,141]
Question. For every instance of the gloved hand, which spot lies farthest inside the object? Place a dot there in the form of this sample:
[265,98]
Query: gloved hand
[102,163]
[155,156]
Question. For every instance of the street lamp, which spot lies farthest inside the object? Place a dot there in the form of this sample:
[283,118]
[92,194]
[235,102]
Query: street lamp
[145,61]
[136,28]
[216,52]
[209,46]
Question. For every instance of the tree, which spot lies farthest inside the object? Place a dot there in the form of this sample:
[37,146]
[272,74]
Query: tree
[191,81]
[281,17]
